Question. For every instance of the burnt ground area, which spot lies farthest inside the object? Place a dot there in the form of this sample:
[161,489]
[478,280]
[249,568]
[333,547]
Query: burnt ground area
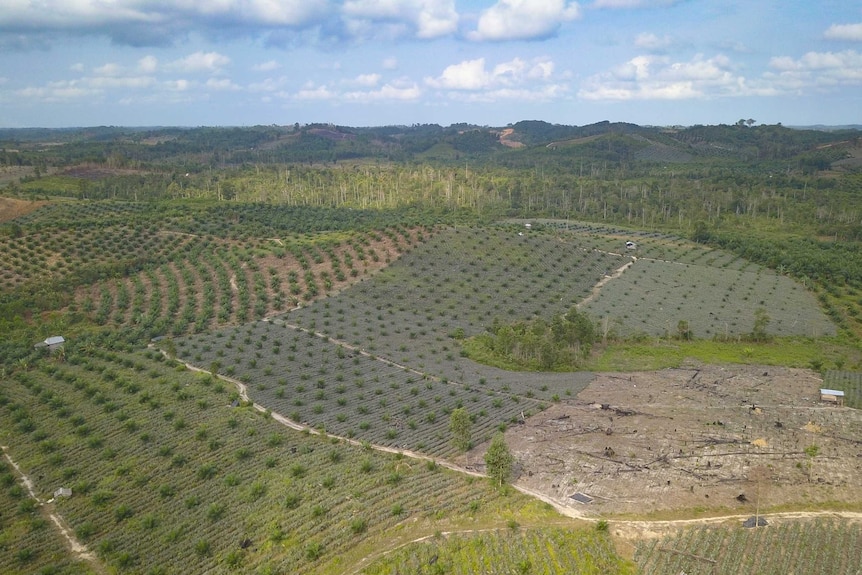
[703,438]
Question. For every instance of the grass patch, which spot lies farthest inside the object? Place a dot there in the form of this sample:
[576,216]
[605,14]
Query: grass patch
[661,354]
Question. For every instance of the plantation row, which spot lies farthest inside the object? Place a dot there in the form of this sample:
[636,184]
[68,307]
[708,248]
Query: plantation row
[850,382]
[86,254]
[28,541]
[824,547]
[337,389]
[547,550]
[165,473]
[214,283]
[226,220]
[652,297]
[455,285]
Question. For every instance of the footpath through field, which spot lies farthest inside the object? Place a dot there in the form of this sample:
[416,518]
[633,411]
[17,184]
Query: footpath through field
[46,508]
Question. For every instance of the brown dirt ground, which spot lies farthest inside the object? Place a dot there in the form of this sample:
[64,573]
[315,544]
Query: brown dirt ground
[692,439]
[11,208]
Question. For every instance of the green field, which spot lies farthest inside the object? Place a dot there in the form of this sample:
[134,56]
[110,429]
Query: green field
[572,551]
[653,296]
[802,547]
[164,471]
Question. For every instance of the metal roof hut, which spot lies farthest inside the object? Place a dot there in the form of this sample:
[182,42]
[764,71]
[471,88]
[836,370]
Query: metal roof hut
[52,343]
[63,492]
[834,396]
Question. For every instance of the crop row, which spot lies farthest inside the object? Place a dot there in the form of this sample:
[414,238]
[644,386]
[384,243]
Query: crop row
[165,474]
[212,282]
[850,382]
[822,546]
[320,383]
[28,542]
[545,550]
[89,254]
[652,297]
[456,285]
[653,245]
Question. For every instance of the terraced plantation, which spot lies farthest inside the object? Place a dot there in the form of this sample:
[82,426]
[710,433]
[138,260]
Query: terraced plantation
[821,546]
[166,468]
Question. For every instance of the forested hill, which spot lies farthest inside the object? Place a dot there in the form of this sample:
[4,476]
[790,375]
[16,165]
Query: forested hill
[525,143]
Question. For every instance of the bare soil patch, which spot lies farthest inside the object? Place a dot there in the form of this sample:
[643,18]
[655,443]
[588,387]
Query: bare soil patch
[95,172]
[693,439]
[10,208]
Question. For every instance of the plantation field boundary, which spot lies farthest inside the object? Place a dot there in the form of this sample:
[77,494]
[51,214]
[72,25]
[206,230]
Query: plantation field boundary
[79,550]
[626,528]
[242,389]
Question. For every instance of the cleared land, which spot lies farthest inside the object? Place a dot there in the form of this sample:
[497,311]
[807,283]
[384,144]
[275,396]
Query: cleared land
[694,438]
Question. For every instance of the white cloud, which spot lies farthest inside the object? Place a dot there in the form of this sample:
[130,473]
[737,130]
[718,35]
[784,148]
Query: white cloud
[59,92]
[221,84]
[468,75]
[472,75]
[659,78]
[367,80]
[315,93]
[268,85]
[390,63]
[524,19]
[614,4]
[268,66]
[852,32]
[201,62]
[76,13]
[817,70]
[148,64]
[849,59]
[178,85]
[157,22]
[649,41]
[131,82]
[109,70]
[386,92]
[427,18]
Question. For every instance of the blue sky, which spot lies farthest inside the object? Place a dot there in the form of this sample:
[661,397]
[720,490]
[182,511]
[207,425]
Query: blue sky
[382,62]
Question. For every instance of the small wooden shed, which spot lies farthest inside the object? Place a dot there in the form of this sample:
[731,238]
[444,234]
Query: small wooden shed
[834,396]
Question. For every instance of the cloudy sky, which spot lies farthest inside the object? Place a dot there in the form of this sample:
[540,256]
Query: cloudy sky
[381,62]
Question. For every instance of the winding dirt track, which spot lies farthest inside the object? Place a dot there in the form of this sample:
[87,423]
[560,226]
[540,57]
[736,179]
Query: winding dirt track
[624,528]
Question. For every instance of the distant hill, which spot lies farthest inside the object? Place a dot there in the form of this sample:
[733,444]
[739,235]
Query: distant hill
[525,143]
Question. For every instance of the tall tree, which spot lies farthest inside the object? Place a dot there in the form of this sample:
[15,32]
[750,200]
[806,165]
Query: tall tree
[460,426]
[499,460]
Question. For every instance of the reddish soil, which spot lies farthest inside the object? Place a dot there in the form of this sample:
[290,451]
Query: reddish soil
[693,439]
[505,139]
[387,250]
